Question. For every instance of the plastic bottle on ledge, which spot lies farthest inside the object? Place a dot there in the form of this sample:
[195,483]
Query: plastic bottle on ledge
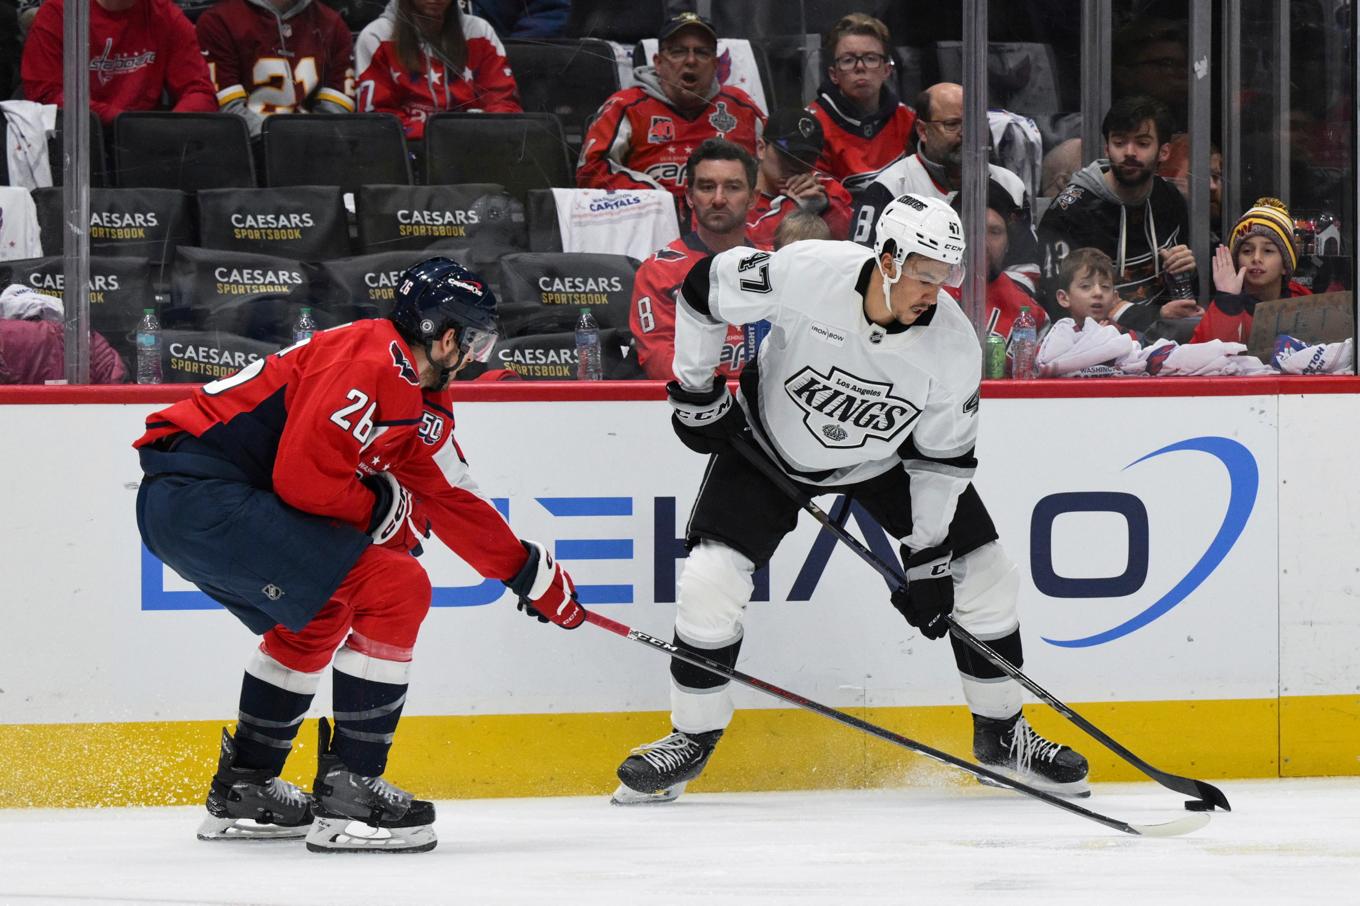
[148,348]
[589,358]
[304,326]
[1024,345]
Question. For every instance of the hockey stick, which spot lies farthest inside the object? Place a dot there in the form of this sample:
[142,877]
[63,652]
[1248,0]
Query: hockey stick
[1205,792]
[1182,825]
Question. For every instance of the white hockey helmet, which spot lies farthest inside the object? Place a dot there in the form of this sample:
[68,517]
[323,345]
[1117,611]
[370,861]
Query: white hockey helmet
[921,226]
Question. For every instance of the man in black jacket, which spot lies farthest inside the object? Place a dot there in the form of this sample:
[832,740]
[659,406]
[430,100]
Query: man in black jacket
[1120,206]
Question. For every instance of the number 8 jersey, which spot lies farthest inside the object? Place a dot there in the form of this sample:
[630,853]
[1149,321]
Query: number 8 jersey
[306,421]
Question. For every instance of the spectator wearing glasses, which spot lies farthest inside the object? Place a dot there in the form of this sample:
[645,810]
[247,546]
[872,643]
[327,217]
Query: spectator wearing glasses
[642,136]
[787,180]
[142,53]
[935,170]
[866,125]
[422,57]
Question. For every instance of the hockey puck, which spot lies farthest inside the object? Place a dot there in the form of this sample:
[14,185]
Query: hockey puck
[1198,805]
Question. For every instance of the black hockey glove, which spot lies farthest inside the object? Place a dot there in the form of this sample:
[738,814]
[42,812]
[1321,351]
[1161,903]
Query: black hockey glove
[929,595]
[705,420]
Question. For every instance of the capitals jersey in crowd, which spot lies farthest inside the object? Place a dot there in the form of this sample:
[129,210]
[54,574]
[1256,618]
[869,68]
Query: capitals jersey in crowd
[359,409]
[857,145]
[639,141]
[137,56]
[278,62]
[651,317]
[484,84]
[835,398]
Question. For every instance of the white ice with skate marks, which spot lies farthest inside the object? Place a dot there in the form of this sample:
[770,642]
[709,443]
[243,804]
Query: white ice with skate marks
[1286,841]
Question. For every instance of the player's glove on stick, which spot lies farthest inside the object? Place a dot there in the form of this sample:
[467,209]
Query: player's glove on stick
[545,590]
[929,595]
[390,524]
[705,420]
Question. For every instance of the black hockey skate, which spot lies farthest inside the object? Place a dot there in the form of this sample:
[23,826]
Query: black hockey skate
[659,771]
[245,804]
[1011,747]
[355,813]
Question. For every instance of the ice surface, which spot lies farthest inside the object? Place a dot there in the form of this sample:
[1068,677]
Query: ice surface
[1286,841]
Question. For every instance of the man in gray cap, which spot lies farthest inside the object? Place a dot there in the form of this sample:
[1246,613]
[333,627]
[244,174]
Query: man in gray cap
[787,180]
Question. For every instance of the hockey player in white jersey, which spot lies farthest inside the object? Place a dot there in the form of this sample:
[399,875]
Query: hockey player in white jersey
[866,385]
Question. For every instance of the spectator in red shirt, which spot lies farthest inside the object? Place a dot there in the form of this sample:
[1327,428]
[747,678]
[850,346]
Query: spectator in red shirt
[1005,294]
[422,57]
[787,182]
[1256,267]
[720,186]
[277,56]
[140,50]
[643,135]
[866,125]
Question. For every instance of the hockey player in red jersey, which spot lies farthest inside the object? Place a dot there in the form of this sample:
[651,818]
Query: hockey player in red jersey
[277,56]
[140,52]
[294,493]
[642,135]
[719,188]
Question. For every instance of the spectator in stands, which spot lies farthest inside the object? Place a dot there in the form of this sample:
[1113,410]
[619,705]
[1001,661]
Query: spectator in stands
[33,342]
[866,125]
[800,225]
[1060,165]
[140,51]
[1006,290]
[1176,170]
[1086,286]
[1256,267]
[519,19]
[1122,207]
[936,169]
[719,181]
[422,57]
[1150,59]
[642,136]
[277,56]
[787,182]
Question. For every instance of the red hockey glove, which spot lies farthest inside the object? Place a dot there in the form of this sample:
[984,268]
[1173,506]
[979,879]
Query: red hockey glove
[929,595]
[545,590]
[705,420]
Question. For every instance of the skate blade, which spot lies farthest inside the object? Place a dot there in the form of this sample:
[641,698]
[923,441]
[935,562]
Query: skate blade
[247,829]
[347,835]
[1077,789]
[626,795]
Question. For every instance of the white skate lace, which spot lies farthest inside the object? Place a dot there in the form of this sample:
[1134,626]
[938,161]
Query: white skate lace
[285,792]
[391,794]
[1028,746]
[666,754]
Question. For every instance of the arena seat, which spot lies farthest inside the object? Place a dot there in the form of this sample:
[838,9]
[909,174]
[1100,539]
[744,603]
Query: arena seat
[185,151]
[614,222]
[254,296]
[520,151]
[335,149]
[303,223]
[99,161]
[551,356]
[145,223]
[438,217]
[1021,76]
[616,20]
[569,80]
[544,292]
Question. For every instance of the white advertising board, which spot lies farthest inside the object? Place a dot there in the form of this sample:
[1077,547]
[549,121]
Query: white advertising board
[1146,530]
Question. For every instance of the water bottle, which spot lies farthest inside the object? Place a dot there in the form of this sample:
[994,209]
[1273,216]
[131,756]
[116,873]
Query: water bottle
[148,348]
[304,326]
[1024,345]
[589,359]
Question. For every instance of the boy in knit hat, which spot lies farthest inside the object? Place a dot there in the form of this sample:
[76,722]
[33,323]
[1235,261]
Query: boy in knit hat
[1256,266]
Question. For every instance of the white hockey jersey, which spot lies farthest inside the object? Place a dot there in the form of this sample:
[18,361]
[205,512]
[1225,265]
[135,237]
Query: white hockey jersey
[839,399]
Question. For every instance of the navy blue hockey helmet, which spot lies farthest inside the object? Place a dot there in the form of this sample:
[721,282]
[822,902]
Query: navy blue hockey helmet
[440,293]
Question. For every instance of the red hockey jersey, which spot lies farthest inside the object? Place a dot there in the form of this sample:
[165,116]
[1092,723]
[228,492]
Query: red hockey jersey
[305,421]
[278,62]
[136,55]
[770,210]
[856,147]
[1004,298]
[1228,316]
[652,314]
[484,85]
[639,141]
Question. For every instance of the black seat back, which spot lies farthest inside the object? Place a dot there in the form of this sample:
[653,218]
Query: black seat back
[185,151]
[341,149]
[520,151]
[569,80]
[304,223]
[439,217]
[544,292]
[552,356]
[616,20]
[143,223]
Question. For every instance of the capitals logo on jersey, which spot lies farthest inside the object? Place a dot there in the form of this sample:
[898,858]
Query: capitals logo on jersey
[661,130]
[844,411]
[404,366]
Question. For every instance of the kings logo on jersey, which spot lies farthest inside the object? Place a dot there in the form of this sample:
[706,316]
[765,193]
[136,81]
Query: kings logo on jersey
[844,411]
